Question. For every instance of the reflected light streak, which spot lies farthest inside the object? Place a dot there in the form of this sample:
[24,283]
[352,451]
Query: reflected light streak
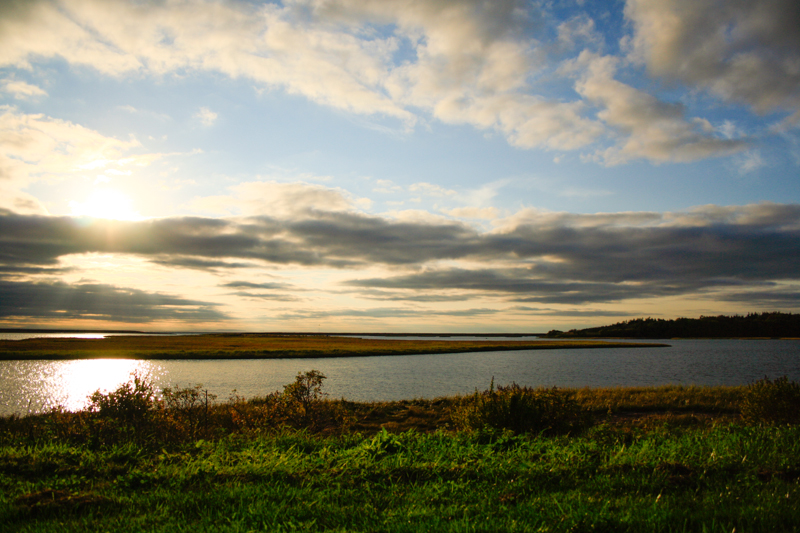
[77,380]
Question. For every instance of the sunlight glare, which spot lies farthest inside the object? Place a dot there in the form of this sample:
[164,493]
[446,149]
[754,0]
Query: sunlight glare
[79,379]
[106,203]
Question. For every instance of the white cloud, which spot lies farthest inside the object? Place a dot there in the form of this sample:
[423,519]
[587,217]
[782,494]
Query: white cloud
[472,58]
[648,127]
[34,147]
[431,190]
[22,90]
[20,202]
[386,187]
[279,200]
[464,61]
[483,213]
[206,117]
[750,161]
[578,29]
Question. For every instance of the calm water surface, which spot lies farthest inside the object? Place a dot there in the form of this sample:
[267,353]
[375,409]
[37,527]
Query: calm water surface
[29,386]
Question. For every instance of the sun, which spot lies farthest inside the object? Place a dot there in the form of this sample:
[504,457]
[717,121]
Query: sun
[105,203]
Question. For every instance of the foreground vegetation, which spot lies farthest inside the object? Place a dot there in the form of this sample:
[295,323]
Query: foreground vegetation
[505,459]
[261,346]
[752,325]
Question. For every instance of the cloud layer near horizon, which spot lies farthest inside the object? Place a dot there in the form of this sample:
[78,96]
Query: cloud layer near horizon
[533,257]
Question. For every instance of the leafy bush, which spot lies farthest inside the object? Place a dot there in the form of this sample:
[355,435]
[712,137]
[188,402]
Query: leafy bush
[186,411]
[302,404]
[125,413]
[771,402]
[306,389]
[521,410]
[130,403]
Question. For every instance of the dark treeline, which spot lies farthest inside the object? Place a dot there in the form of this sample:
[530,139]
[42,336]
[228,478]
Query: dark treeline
[750,325]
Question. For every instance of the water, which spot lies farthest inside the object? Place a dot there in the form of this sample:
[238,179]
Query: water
[30,386]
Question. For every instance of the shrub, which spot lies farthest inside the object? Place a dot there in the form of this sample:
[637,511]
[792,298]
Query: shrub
[521,410]
[129,404]
[306,389]
[771,402]
[186,410]
[124,414]
[302,404]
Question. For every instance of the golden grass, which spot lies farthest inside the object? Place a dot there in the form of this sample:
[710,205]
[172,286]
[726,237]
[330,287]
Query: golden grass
[263,346]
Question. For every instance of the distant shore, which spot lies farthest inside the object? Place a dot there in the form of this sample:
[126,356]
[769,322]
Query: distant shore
[268,346]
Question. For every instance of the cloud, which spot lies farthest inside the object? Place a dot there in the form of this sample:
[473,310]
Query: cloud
[431,190]
[649,128]
[269,44]
[749,162]
[779,297]
[583,312]
[385,312]
[206,117]
[278,199]
[56,300]
[486,64]
[251,285]
[405,296]
[197,263]
[486,213]
[21,90]
[524,286]
[273,289]
[530,257]
[36,147]
[744,52]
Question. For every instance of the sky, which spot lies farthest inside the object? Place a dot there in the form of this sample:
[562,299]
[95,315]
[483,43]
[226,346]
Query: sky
[396,165]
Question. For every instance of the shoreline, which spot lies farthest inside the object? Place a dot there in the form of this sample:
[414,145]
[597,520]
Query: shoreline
[236,347]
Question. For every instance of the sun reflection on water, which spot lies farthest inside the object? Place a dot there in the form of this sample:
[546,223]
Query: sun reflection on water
[70,384]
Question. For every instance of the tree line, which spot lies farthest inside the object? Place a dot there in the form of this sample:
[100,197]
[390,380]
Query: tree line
[773,324]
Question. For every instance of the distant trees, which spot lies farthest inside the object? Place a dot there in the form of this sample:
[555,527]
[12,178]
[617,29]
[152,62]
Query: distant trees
[772,324]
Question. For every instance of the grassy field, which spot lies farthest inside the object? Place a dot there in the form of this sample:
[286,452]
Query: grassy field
[262,346]
[644,459]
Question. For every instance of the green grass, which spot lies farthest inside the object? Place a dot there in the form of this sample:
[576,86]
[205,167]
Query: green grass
[608,479]
[295,461]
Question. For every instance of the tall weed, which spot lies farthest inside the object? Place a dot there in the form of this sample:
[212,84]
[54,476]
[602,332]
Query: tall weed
[521,410]
[772,402]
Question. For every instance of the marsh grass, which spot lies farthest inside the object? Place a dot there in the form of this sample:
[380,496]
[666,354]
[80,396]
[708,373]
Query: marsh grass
[263,346]
[676,398]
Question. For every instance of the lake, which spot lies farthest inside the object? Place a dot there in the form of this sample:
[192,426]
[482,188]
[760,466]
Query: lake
[32,386]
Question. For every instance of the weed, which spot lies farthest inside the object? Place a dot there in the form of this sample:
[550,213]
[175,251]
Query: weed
[521,410]
[772,402]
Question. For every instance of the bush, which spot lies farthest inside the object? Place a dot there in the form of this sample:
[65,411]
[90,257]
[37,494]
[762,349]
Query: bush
[306,389]
[129,404]
[124,414]
[521,410]
[186,411]
[771,402]
[301,405]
